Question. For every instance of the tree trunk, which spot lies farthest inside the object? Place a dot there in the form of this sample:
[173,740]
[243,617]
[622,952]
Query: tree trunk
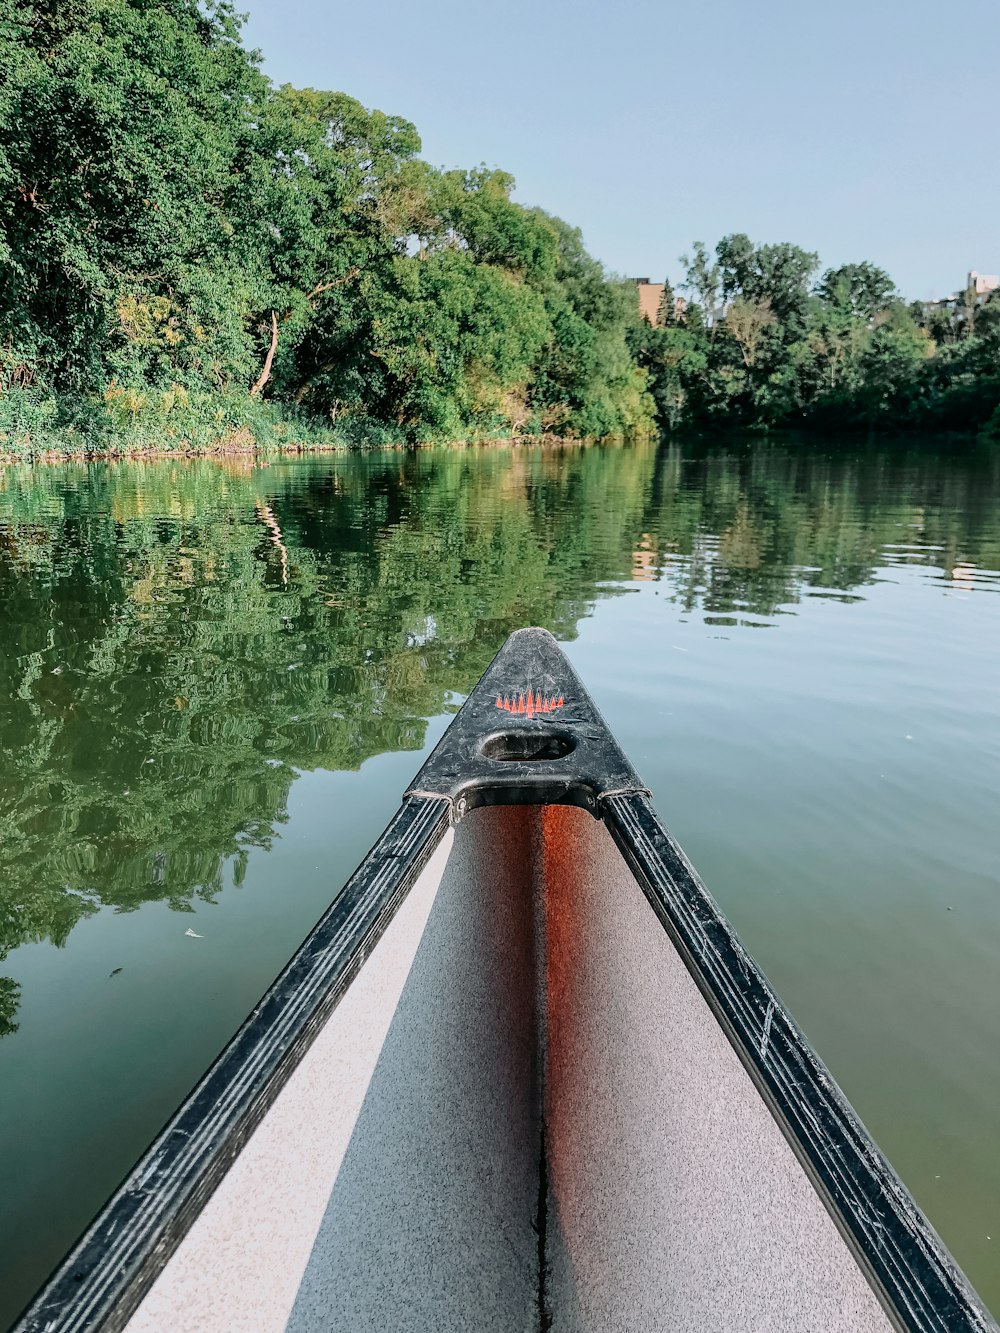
[265,374]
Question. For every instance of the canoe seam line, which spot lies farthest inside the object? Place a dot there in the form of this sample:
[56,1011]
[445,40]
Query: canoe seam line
[540,962]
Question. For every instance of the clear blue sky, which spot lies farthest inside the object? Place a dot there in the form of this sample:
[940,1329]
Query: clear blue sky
[863,129]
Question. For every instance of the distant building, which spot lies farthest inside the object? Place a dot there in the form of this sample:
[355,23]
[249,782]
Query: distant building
[979,286]
[983,282]
[650,294]
[649,298]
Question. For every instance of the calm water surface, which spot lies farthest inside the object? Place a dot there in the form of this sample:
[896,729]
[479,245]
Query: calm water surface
[216,680]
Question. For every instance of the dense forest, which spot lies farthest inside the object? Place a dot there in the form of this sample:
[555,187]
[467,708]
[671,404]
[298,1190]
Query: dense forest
[179,236]
[191,254]
[761,340]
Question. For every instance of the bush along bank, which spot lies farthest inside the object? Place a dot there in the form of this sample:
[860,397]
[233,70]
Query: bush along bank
[188,252]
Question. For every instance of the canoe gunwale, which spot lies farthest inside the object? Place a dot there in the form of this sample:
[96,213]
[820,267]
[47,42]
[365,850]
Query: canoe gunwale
[908,1266]
[111,1268]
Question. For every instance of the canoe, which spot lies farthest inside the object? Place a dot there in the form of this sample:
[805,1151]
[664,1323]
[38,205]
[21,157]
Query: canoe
[522,1075]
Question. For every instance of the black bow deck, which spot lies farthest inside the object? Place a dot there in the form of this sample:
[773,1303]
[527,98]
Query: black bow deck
[529,734]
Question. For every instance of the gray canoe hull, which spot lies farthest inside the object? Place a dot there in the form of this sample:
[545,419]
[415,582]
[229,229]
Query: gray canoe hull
[522,1111]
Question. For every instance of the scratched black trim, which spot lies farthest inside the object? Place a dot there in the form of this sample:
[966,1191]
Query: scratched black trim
[98,1287]
[919,1282]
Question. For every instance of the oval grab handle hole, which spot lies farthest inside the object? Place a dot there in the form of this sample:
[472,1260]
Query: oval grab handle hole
[527,747]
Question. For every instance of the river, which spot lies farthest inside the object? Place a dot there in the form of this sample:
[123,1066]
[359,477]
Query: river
[216,679]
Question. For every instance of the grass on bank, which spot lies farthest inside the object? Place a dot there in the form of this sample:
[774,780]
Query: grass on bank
[131,423]
[125,422]
[142,423]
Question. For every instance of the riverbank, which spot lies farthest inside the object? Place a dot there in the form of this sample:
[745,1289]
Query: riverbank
[171,424]
[124,424]
[237,449]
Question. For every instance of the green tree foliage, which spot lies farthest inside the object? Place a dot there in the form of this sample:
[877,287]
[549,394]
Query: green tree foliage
[588,382]
[172,222]
[702,278]
[860,291]
[123,127]
[777,274]
[10,997]
[666,311]
[761,345]
[190,253]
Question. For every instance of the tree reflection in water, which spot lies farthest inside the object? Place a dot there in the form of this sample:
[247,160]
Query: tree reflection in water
[180,638]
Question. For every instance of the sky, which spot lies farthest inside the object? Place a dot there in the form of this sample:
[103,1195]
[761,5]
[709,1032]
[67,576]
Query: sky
[861,129]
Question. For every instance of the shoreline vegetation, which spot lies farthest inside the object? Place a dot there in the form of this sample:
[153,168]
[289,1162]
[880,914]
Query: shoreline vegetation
[280,438]
[236,446]
[194,261]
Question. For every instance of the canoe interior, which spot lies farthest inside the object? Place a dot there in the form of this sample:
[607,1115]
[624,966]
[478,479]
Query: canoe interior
[523,1115]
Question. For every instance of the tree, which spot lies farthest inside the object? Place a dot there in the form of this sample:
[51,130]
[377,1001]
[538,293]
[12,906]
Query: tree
[666,313]
[453,338]
[746,321]
[778,274]
[176,230]
[703,279]
[171,222]
[890,366]
[587,381]
[121,124]
[970,308]
[859,290]
[10,997]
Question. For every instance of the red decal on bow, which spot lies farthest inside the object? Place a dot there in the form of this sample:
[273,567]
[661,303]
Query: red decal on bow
[529,703]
